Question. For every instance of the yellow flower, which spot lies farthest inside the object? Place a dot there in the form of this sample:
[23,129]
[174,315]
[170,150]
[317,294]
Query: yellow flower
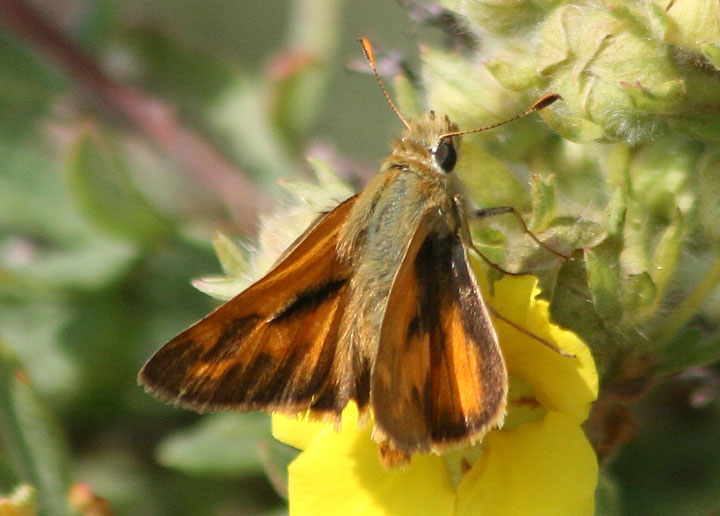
[540,463]
[22,502]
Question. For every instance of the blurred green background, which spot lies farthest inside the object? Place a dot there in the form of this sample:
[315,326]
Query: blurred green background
[109,199]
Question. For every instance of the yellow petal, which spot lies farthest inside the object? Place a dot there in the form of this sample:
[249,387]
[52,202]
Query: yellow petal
[340,474]
[539,469]
[300,431]
[563,384]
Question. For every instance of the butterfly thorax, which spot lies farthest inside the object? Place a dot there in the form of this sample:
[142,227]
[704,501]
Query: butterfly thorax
[423,183]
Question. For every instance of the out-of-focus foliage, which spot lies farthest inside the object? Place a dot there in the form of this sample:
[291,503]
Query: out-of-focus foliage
[101,231]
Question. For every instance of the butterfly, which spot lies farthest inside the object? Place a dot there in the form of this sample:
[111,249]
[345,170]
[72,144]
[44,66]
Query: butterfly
[375,303]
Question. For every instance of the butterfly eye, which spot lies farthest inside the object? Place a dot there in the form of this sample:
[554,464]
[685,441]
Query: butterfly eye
[445,155]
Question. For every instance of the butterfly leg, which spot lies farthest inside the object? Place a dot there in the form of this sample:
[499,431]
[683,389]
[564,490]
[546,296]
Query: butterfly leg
[467,239]
[494,265]
[519,328]
[490,212]
[390,457]
[502,210]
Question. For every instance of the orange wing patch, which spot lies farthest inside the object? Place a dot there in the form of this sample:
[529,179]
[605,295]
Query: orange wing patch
[439,376]
[274,346]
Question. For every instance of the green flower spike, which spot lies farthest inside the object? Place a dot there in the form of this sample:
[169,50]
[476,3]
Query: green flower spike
[628,71]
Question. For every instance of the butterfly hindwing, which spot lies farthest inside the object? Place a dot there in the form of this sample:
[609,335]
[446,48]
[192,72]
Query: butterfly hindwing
[273,346]
[439,376]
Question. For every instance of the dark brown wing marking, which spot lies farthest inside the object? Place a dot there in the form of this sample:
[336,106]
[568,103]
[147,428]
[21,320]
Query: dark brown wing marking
[260,351]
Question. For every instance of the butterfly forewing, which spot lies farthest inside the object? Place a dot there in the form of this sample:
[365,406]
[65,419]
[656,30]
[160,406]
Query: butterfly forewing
[439,376]
[274,346]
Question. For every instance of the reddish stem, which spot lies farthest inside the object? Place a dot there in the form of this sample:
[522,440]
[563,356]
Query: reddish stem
[154,117]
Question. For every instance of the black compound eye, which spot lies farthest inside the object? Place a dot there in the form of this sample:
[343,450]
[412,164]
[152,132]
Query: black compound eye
[445,156]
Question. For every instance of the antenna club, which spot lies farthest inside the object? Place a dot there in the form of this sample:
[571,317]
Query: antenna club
[545,101]
[367,50]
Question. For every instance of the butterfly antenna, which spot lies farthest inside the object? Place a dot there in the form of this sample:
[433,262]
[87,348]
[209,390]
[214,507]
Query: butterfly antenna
[370,56]
[539,104]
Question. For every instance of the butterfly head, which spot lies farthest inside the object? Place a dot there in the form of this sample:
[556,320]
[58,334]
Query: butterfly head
[431,141]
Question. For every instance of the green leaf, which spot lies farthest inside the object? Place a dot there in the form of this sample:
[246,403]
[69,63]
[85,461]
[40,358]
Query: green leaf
[615,212]
[604,284]
[32,437]
[516,71]
[276,457]
[44,241]
[223,288]
[575,233]
[712,52]
[489,180]
[571,307]
[233,260]
[502,17]
[676,319]
[575,129]
[617,167]
[671,91]
[297,94]
[491,242]
[703,126]
[667,253]
[690,348]
[192,76]
[708,191]
[322,193]
[639,295]
[35,331]
[28,87]
[543,201]
[92,263]
[220,444]
[107,196]
[240,117]
[33,198]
